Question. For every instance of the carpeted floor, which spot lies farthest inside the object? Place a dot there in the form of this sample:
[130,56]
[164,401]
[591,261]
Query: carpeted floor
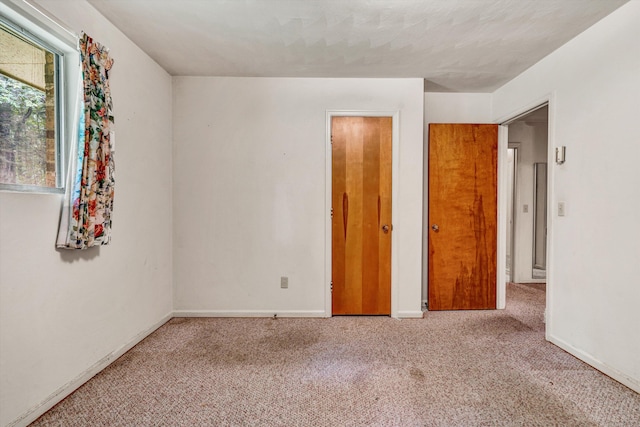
[479,368]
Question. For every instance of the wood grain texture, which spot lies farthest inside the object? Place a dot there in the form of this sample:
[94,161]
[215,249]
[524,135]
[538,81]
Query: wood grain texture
[339,220]
[463,203]
[385,216]
[361,201]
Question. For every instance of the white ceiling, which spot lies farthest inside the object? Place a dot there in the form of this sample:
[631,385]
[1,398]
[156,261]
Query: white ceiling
[455,45]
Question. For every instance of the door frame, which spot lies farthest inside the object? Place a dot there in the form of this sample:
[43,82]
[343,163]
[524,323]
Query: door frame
[501,232]
[514,216]
[395,157]
[550,100]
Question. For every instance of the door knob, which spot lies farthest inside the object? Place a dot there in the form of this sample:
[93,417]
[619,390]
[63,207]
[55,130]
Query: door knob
[385,228]
[435,228]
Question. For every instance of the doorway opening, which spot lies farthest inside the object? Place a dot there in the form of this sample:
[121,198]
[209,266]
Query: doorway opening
[527,197]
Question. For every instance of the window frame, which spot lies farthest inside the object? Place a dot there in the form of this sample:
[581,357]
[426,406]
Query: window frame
[25,21]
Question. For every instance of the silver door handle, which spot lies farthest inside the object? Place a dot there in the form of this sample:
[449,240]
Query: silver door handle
[435,228]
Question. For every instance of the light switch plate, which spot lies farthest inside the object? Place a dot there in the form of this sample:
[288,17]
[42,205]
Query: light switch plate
[284,282]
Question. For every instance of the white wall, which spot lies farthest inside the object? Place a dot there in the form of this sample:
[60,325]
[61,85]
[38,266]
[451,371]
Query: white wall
[593,293]
[446,108]
[249,189]
[64,313]
[532,149]
[456,108]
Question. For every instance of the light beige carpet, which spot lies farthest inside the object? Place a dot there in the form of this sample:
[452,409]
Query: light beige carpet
[479,368]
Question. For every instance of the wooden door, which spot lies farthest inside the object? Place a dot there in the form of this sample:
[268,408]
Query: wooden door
[463,169]
[361,215]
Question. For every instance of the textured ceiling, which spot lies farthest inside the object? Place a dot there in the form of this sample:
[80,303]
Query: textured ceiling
[456,45]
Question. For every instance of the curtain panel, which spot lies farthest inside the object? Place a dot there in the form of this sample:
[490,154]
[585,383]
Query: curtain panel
[86,212]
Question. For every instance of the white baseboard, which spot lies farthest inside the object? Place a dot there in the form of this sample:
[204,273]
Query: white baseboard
[632,383]
[283,313]
[54,398]
[249,313]
[410,314]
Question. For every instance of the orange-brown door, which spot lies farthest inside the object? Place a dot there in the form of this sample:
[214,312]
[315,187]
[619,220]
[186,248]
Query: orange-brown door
[462,231]
[361,215]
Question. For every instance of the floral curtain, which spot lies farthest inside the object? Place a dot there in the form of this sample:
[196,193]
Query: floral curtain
[86,212]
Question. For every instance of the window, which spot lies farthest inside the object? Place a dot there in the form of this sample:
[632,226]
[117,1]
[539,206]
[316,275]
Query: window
[37,62]
[28,112]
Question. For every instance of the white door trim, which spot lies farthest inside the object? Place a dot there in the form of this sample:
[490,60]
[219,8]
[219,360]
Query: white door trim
[395,164]
[501,261]
[515,203]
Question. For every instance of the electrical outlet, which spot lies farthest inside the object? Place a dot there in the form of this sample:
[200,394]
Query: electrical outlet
[525,208]
[284,282]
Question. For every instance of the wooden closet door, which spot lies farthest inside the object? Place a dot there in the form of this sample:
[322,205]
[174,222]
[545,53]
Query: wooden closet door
[463,169]
[361,215]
